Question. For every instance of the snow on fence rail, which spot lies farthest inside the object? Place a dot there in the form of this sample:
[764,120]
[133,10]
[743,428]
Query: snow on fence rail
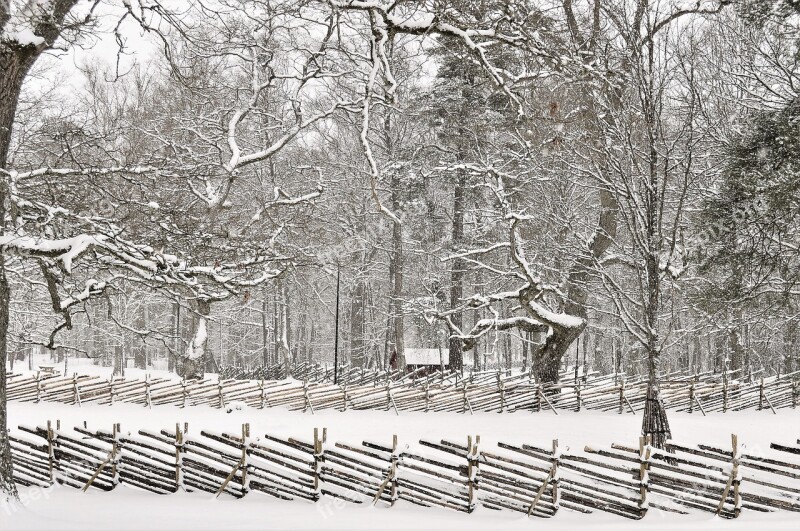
[491,392]
[623,480]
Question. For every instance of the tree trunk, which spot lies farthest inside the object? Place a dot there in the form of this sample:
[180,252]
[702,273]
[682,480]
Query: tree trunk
[654,421]
[276,324]
[397,262]
[286,331]
[119,361]
[177,347]
[15,63]
[14,66]
[312,341]
[456,351]
[7,487]
[736,349]
[140,354]
[264,332]
[195,359]
[524,337]
[357,325]
[547,358]
[790,344]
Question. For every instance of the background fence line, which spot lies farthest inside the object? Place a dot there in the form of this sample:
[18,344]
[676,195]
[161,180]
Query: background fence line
[488,392]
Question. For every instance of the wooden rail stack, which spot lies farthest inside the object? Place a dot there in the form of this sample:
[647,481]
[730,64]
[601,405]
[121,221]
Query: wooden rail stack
[537,480]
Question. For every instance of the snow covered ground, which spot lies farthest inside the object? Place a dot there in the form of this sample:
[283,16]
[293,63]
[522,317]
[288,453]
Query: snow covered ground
[125,508]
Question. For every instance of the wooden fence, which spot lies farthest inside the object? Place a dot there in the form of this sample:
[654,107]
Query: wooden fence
[489,392]
[625,480]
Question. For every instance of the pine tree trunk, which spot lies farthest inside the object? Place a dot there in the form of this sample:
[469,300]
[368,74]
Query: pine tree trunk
[456,351]
[398,328]
[264,332]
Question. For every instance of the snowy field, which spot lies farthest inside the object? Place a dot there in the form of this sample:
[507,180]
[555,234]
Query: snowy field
[125,508]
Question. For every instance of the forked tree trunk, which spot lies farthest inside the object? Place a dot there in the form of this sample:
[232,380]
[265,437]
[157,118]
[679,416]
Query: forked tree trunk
[547,359]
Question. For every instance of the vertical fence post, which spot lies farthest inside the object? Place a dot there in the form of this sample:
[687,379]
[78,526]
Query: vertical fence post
[115,429]
[245,448]
[761,394]
[391,477]
[148,401]
[39,388]
[472,471]
[733,481]
[179,442]
[427,396]
[644,474]
[737,501]
[262,394]
[725,396]
[390,403]
[538,407]
[317,464]
[394,460]
[50,454]
[691,397]
[554,476]
[464,396]
[307,398]
[76,393]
